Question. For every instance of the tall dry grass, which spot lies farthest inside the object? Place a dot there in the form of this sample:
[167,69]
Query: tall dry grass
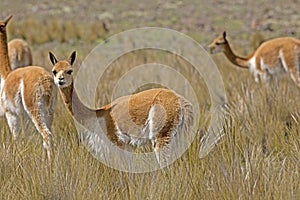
[258,158]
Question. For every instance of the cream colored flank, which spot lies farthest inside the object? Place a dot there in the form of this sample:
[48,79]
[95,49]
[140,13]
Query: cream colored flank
[153,116]
[29,88]
[271,59]
[19,53]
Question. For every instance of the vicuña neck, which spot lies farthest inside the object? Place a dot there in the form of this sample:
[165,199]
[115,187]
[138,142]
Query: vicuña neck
[78,110]
[5,68]
[237,60]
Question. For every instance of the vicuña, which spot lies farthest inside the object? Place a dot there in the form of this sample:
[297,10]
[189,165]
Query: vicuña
[29,88]
[153,116]
[19,53]
[271,58]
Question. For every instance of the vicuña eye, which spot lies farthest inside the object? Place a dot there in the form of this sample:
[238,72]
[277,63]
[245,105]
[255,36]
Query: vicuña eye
[54,72]
[70,72]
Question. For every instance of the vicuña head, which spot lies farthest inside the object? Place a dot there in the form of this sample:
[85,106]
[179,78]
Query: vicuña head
[30,89]
[18,50]
[219,44]
[3,24]
[155,116]
[4,60]
[271,59]
[63,73]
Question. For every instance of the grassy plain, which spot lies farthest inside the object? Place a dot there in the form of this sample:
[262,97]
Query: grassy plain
[258,158]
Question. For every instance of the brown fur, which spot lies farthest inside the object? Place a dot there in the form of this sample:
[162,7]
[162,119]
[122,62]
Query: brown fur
[270,59]
[128,114]
[31,89]
[19,53]
[5,68]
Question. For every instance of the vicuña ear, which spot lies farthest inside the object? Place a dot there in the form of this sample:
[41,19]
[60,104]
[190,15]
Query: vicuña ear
[52,58]
[224,35]
[7,19]
[72,58]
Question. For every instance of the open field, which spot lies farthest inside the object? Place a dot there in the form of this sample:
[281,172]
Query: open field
[258,158]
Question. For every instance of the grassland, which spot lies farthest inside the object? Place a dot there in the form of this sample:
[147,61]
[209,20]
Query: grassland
[258,158]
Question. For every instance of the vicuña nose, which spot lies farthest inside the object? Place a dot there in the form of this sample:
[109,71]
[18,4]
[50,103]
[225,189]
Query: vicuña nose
[61,78]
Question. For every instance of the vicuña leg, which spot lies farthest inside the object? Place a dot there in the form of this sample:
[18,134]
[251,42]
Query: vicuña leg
[295,77]
[13,123]
[294,73]
[42,117]
[162,150]
[39,122]
[292,65]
